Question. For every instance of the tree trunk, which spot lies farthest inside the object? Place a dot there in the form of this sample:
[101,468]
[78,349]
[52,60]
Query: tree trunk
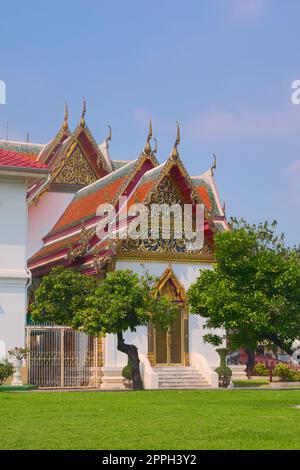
[132,353]
[280,344]
[250,361]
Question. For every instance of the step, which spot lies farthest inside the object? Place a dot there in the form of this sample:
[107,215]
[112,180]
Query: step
[182,379]
[201,385]
[183,376]
[193,380]
[184,387]
[188,378]
[180,368]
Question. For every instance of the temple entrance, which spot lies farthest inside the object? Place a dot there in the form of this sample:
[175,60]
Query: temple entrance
[168,343]
[170,347]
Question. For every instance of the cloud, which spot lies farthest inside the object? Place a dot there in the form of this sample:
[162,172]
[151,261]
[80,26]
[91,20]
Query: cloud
[219,123]
[293,171]
[248,9]
[244,9]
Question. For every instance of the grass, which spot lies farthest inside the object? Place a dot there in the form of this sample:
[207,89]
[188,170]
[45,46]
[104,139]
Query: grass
[16,388]
[204,419]
[250,383]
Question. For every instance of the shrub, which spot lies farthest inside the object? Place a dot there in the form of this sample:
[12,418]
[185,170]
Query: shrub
[6,370]
[260,369]
[284,373]
[127,371]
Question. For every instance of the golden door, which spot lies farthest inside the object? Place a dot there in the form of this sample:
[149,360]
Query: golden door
[169,342]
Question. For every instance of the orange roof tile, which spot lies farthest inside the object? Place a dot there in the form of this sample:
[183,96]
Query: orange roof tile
[86,207]
[202,191]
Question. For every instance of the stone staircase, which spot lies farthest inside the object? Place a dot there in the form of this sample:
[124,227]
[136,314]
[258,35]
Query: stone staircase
[180,378]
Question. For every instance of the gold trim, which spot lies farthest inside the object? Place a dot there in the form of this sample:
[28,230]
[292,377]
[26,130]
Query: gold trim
[159,257]
[179,293]
[174,153]
[82,120]
[147,148]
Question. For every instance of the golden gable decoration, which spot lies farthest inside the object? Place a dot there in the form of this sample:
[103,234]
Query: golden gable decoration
[164,196]
[76,170]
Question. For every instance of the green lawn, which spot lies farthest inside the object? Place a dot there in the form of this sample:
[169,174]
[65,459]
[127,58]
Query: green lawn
[251,383]
[214,419]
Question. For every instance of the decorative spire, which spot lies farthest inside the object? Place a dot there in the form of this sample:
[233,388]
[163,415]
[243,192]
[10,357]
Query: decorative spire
[224,208]
[108,138]
[155,148]
[214,165]
[175,153]
[147,148]
[65,123]
[82,120]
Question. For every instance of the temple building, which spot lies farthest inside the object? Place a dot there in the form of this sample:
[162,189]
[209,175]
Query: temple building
[73,176]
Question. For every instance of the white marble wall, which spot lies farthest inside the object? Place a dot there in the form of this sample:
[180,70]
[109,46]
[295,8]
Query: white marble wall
[13,255]
[186,274]
[43,216]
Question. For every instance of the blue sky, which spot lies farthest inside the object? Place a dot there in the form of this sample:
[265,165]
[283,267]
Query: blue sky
[223,68]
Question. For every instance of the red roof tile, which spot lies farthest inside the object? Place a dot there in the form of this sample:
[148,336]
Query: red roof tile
[53,248]
[19,160]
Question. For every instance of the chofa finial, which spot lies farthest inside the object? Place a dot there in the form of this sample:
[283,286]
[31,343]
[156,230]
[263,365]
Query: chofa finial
[147,148]
[65,124]
[224,208]
[82,120]
[175,153]
[214,165]
[155,148]
[108,138]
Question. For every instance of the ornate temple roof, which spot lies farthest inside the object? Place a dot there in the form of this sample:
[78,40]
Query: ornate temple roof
[26,148]
[19,160]
[84,168]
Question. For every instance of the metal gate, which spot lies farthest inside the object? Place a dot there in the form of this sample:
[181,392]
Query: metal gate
[60,357]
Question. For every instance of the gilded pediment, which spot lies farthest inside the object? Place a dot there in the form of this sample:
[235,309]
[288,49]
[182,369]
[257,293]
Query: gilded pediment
[75,170]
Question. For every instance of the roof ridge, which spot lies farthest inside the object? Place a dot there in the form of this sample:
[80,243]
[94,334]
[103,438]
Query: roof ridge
[21,142]
[97,184]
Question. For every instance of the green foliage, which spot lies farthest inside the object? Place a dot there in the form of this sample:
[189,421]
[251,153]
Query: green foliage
[215,340]
[224,372]
[60,295]
[285,374]
[122,300]
[254,291]
[127,371]
[260,369]
[6,370]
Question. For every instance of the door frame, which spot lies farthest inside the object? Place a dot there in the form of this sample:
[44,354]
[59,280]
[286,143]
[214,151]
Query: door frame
[169,363]
[169,277]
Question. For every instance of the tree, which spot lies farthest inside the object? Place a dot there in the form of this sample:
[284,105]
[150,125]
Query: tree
[121,301]
[254,291]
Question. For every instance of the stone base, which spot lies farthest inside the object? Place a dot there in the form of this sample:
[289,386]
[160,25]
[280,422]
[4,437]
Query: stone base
[284,384]
[112,378]
[24,376]
[238,372]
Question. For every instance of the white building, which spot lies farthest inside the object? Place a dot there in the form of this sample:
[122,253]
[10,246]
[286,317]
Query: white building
[62,231]
[18,172]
